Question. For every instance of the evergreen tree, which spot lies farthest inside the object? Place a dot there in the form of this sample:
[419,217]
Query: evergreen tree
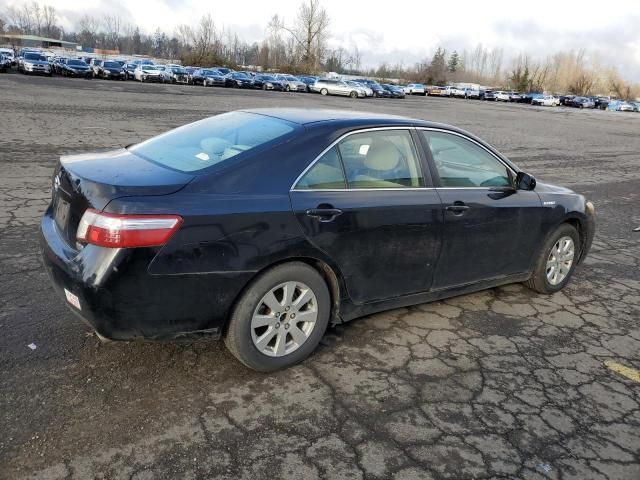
[454,62]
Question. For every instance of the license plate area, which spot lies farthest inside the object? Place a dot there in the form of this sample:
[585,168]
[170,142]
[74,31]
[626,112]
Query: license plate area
[61,214]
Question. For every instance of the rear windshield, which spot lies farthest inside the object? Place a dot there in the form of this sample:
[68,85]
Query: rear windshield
[212,141]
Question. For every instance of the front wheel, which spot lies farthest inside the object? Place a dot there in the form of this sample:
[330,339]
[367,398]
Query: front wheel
[324,91]
[280,318]
[556,261]
[353,94]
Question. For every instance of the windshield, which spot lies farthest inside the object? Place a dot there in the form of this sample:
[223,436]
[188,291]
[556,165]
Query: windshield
[178,70]
[267,78]
[76,63]
[212,141]
[151,67]
[112,64]
[34,56]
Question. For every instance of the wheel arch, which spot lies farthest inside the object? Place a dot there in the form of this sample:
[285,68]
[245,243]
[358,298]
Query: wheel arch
[331,275]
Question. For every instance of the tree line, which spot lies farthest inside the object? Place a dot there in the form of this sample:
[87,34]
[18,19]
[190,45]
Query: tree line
[302,46]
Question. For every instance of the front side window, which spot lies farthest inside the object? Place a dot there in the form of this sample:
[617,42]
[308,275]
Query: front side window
[462,163]
[326,173]
[381,159]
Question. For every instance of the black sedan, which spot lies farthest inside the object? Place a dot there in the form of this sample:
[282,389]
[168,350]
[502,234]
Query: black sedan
[208,77]
[394,91]
[239,80]
[264,226]
[75,68]
[268,82]
[112,70]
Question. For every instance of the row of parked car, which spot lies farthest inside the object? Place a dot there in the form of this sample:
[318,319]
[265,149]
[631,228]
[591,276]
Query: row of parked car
[144,70]
[533,98]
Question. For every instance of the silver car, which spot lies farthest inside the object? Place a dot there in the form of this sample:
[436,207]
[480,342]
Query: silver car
[361,86]
[337,87]
[291,83]
[34,62]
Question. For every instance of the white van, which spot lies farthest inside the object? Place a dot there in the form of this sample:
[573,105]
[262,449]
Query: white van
[9,53]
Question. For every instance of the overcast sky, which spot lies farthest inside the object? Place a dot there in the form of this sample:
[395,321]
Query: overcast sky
[408,31]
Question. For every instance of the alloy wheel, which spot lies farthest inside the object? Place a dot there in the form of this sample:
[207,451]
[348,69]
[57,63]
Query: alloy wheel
[560,260]
[284,319]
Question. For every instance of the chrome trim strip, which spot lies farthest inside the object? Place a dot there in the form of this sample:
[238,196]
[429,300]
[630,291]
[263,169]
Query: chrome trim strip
[399,189]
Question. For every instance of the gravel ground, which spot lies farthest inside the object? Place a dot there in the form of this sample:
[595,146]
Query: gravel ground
[504,383]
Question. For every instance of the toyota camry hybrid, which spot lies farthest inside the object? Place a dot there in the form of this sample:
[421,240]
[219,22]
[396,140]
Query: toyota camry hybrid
[264,226]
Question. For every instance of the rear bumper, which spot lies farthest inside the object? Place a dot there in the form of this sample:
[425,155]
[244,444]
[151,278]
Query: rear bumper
[121,300]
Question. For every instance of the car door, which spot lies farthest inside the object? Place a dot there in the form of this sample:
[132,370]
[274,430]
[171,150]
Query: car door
[489,226]
[367,205]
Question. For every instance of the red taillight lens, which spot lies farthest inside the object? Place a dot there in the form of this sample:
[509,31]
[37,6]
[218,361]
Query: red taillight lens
[126,231]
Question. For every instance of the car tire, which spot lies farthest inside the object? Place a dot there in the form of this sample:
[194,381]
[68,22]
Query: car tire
[353,94]
[240,334]
[540,281]
[324,91]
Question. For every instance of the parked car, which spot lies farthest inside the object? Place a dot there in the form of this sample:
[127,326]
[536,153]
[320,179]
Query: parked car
[5,62]
[625,107]
[73,67]
[459,92]
[415,89]
[394,90]
[268,82]
[528,97]
[112,70]
[501,96]
[378,91]
[601,102]
[174,74]
[291,83]
[438,91]
[238,80]
[34,62]
[489,95]
[516,97]
[368,92]
[308,81]
[566,100]
[326,86]
[636,106]
[163,239]
[10,55]
[546,101]
[148,72]
[208,77]
[583,102]
[130,70]
[475,92]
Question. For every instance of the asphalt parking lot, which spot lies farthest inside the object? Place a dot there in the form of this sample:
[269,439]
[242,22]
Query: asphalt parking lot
[504,383]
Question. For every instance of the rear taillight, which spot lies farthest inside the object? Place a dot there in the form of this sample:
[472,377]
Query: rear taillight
[126,231]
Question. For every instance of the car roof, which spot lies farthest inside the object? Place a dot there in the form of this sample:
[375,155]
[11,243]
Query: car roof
[339,117]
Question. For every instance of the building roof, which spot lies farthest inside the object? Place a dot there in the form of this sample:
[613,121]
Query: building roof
[35,38]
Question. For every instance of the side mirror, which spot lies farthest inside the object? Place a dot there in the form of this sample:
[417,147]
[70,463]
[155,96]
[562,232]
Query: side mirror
[524,181]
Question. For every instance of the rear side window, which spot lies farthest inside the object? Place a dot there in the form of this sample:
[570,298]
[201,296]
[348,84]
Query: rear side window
[212,141]
[381,159]
[326,173]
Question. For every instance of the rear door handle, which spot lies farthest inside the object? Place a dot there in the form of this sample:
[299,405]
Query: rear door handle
[324,214]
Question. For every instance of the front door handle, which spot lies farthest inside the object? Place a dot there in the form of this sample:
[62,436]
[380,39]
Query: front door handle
[458,208]
[324,214]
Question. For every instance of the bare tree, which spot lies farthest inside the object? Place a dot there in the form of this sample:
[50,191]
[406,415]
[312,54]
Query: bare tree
[112,25]
[309,33]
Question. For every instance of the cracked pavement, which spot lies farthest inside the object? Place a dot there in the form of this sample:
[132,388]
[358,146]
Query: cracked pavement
[504,383]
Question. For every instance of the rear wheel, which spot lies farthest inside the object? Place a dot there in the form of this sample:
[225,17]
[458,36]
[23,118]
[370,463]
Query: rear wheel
[556,261]
[280,319]
[353,94]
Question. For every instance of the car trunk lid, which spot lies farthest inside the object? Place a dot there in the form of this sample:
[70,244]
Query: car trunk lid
[92,180]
